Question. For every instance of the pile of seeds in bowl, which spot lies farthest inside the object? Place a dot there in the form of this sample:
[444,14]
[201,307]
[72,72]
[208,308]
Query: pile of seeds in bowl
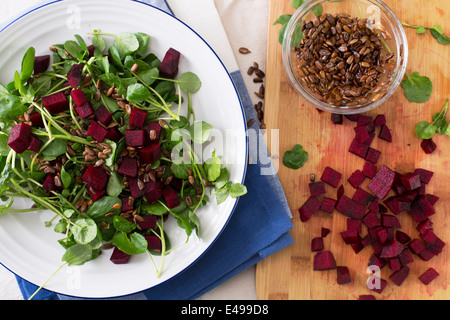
[342,60]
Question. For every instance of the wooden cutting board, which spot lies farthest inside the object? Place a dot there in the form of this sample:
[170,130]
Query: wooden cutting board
[288,274]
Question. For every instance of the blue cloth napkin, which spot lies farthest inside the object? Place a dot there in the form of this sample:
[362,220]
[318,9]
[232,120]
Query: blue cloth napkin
[258,228]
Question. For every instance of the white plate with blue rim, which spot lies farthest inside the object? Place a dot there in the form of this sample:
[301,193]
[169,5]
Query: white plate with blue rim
[30,249]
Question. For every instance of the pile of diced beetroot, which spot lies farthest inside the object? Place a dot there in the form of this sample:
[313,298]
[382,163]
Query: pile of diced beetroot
[95,177]
[390,245]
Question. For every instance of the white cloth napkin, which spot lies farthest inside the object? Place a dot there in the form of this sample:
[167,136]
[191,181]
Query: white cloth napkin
[244,24]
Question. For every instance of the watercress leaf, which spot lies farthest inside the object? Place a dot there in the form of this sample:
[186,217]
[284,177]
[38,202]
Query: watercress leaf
[103,206]
[10,106]
[99,43]
[132,245]
[115,185]
[143,40]
[74,49]
[115,56]
[156,208]
[137,93]
[18,84]
[195,221]
[56,148]
[297,36]
[317,10]
[77,254]
[438,34]
[200,131]
[283,19]
[222,179]
[27,64]
[180,170]
[212,167]
[126,43]
[440,122]
[84,230]
[295,158]
[421,29]
[189,82]
[222,195]
[237,190]
[417,88]
[122,224]
[425,130]
[66,178]
[149,76]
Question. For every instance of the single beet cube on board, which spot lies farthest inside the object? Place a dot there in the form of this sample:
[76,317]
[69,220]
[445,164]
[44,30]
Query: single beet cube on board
[20,137]
[411,181]
[343,275]
[311,206]
[317,244]
[428,276]
[331,176]
[328,205]
[324,260]
[428,146]
[356,178]
[382,182]
[385,133]
[400,275]
[316,188]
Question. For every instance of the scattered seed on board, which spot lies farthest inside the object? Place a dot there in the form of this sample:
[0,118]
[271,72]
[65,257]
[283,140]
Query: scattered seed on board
[244,50]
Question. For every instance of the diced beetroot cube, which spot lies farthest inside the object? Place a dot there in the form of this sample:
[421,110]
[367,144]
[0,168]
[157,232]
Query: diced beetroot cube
[113,134]
[364,120]
[311,206]
[103,115]
[148,223]
[324,232]
[350,208]
[137,117]
[135,138]
[389,221]
[154,191]
[85,110]
[356,178]
[428,276]
[95,177]
[150,153]
[429,236]
[35,144]
[97,132]
[358,148]
[41,63]
[369,169]
[392,249]
[394,264]
[428,145]
[343,275]
[411,181]
[371,137]
[316,188]
[350,236]
[425,175]
[421,209]
[353,224]
[361,134]
[405,257]
[49,183]
[366,297]
[352,117]
[371,220]
[324,260]
[91,50]
[424,226]
[382,235]
[379,120]
[128,167]
[169,64]
[331,177]
[373,155]
[402,237]
[426,254]
[328,205]
[20,137]
[95,195]
[375,260]
[416,246]
[78,97]
[374,206]
[125,204]
[381,184]
[392,203]
[154,243]
[56,102]
[74,75]
[385,133]
[171,197]
[379,285]
[119,257]
[367,240]
[135,190]
[154,126]
[400,275]
[317,244]
[340,192]
[363,197]
[36,120]
[337,118]
[358,245]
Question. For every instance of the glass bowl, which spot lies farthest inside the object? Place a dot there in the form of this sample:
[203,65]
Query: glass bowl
[323,91]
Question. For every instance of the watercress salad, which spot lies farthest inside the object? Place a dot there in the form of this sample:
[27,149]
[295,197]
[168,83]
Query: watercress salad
[115,166]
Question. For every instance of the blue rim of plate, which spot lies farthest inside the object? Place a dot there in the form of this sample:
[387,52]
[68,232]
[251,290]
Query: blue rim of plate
[243,117]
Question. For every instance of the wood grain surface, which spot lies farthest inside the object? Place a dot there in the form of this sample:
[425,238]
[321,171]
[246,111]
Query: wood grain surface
[289,274]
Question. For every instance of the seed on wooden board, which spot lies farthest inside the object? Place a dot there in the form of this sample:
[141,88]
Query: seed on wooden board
[260,73]
[257,80]
[244,50]
[250,70]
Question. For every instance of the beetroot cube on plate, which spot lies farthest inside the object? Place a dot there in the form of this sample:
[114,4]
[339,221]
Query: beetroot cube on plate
[74,75]
[171,197]
[95,195]
[41,63]
[119,257]
[56,102]
[78,97]
[36,120]
[148,222]
[154,126]
[49,183]
[85,110]
[96,177]
[128,167]
[125,204]
[149,153]
[35,144]
[113,134]
[169,64]
[154,243]
[137,117]
[97,132]
[103,115]
[20,137]
[135,138]
[154,191]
